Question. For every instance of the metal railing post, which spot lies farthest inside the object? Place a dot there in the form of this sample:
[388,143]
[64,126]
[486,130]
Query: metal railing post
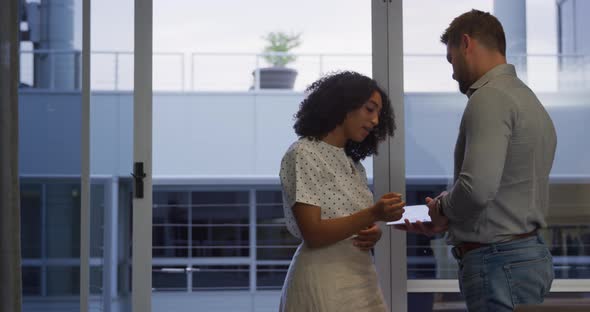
[116,78]
[182,73]
[257,74]
[189,278]
[192,82]
[51,70]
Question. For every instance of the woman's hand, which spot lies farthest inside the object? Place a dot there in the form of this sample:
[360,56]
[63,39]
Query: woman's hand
[366,239]
[389,207]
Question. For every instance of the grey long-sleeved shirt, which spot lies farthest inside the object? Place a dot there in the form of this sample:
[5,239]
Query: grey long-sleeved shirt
[503,157]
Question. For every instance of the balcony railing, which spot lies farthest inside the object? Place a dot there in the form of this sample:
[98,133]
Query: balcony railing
[59,70]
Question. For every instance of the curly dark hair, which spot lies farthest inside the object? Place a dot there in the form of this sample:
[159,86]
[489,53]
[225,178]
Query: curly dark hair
[328,102]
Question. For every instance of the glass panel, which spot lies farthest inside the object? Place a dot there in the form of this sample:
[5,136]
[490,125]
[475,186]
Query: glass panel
[426,302]
[170,241]
[31,281]
[431,99]
[49,154]
[220,235]
[219,197]
[554,64]
[221,251]
[63,280]
[169,278]
[275,242]
[170,199]
[220,214]
[269,197]
[170,236]
[562,83]
[220,131]
[111,154]
[31,221]
[271,276]
[96,282]
[62,220]
[221,277]
[270,213]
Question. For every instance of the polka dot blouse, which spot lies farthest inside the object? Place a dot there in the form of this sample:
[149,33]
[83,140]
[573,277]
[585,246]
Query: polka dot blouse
[319,174]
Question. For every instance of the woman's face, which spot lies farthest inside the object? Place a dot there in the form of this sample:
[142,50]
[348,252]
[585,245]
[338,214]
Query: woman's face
[359,123]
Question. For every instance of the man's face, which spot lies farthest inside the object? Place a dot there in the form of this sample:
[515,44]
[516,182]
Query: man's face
[460,68]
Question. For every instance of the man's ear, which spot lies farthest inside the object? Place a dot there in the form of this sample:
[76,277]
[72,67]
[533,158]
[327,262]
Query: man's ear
[466,42]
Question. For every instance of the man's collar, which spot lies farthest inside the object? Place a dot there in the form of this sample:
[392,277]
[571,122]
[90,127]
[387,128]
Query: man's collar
[502,69]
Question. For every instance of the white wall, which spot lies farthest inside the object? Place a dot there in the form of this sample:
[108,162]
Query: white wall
[234,135]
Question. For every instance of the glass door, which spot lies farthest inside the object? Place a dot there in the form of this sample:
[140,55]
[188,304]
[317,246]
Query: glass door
[111,154]
[220,127]
[550,58]
[50,158]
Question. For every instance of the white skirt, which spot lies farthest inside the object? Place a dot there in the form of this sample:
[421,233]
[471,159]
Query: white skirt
[340,277]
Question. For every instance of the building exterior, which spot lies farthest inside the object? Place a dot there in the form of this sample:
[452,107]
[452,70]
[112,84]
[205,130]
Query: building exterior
[218,228]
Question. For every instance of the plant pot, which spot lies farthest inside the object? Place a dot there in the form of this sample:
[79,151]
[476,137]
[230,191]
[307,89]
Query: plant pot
[276,77]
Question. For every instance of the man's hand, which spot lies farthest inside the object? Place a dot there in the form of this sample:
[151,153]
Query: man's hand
[439,223]
[424,228]
[366,239]
[434,211]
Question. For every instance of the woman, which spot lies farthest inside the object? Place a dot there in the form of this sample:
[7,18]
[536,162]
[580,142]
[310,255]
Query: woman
[327,201]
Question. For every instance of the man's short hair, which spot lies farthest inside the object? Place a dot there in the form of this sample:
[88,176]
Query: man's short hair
[482,26]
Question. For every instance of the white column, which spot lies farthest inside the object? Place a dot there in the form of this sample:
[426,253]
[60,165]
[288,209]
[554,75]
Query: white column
[389,165]
[141,297]
[512,15]
[56,70]
[111,246]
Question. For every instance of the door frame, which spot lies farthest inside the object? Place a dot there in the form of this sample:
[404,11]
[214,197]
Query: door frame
[141,277]
[85,162]
[389,165]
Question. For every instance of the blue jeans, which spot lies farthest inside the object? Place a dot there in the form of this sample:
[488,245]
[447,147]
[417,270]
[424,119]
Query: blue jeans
[500,276]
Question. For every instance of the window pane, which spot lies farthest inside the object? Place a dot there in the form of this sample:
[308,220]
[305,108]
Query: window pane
[221,277]
[173,278]
[270,214]
[221,236]
[271,276]
[63,220]
[31,281]
[220,136]
[552,64]
[269,197]
[170,198]
[216,198]
[221,251]
[63,280]
[275,243]
[220,214]
[170,241]
[30,205]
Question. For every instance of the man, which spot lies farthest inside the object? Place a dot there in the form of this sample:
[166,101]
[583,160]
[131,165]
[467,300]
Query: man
[503,156]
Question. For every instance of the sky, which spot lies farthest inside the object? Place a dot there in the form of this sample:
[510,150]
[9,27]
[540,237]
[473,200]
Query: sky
[328,27]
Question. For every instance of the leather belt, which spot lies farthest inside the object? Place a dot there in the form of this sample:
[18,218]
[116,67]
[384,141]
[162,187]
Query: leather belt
[463,248]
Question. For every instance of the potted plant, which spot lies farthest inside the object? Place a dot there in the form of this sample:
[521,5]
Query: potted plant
[278,76]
